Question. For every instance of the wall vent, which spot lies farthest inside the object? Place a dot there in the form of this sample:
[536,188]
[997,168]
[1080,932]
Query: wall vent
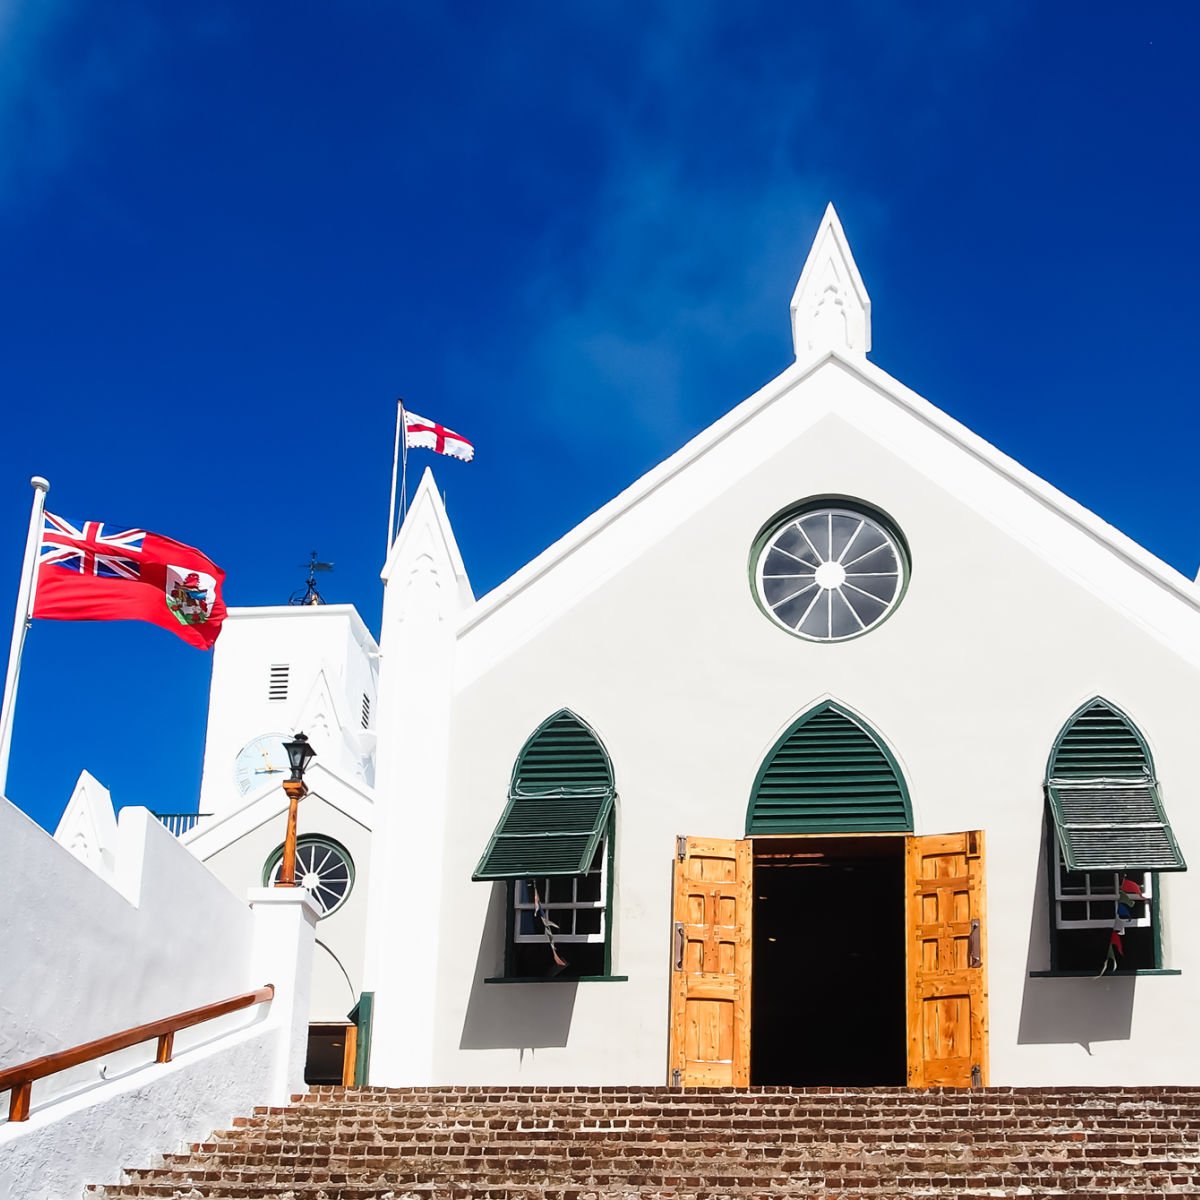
[277,681]
[366,711]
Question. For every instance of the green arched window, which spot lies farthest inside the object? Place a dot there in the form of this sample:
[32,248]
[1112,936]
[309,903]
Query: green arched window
[559,802]
[1107,832]
[1104,797]
[554,847]
[829,773]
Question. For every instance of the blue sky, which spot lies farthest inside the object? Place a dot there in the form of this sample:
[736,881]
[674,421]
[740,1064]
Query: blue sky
[231,234]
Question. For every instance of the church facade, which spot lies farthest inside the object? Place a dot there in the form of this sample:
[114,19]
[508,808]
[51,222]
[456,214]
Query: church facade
[838,749]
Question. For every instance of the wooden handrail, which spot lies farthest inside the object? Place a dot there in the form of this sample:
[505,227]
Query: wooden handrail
[20,1079]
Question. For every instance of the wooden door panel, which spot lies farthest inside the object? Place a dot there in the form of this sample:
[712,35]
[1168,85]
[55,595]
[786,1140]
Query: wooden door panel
[947,989]
[710,969]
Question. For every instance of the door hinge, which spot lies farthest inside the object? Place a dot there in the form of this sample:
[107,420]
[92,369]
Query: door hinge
[974,948]
[680,847]
[677,1078]
[976,1076]
[679,945]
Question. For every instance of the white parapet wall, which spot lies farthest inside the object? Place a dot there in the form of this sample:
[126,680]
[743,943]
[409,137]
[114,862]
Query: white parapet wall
[88,953]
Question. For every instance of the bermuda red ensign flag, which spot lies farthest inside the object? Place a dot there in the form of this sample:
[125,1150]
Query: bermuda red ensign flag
[421,434]
[89,571]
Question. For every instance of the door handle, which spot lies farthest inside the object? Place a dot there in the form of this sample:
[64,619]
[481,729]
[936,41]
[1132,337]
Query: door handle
[974,952]
[679,945]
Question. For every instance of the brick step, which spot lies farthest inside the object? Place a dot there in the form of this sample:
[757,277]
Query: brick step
[613,1118]
[711,1167]
[743,1102]
[513,1118]
[682,1188]
[659,1144]
[833,1132]
[613,1150]
[432,1116]
[321,1093]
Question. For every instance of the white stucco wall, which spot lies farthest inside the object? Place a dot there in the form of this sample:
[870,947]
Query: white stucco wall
[151,1111]
[83,958]
[1014,617]
[87,955]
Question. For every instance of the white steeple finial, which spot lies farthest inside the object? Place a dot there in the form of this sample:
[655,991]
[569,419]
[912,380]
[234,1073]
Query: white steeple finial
[830,306]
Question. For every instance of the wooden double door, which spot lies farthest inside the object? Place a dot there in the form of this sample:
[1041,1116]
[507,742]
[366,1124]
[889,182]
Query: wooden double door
[944,954]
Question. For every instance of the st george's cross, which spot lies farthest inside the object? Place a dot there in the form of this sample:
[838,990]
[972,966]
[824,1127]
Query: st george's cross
[423,434]
[84,546]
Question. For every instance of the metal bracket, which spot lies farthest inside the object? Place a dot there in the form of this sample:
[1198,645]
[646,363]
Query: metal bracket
[677,1078]
[680,847]
[679,945]
[976,1076]
[974,949]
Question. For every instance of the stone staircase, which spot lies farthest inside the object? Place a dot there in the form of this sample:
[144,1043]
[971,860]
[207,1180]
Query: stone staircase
[549,1143]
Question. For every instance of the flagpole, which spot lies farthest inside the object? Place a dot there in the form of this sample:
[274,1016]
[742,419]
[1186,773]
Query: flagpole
[25,593]
[403,462]
[392,498]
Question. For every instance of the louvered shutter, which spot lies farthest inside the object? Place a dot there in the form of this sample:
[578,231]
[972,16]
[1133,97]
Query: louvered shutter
[829,774]
[559,803]
[1104,799]
[1099,742]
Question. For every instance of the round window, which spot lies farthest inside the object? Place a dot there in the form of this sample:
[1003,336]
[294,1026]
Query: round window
[322,866]
[829,572]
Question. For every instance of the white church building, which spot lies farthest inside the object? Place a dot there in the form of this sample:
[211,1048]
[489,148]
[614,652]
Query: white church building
[838,749]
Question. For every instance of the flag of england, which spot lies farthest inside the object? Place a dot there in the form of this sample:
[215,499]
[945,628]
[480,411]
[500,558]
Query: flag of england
[423,434]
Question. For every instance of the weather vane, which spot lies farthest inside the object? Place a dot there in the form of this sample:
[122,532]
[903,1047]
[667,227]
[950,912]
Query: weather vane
[310,594]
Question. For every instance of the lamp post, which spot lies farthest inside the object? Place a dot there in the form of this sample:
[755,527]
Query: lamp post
[300,754]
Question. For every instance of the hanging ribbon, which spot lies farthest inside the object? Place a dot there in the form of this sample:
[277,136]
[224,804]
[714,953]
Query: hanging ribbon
[1129,894]
[548,925]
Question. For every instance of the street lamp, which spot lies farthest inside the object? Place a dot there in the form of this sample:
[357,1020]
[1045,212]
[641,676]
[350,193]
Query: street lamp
[300,754]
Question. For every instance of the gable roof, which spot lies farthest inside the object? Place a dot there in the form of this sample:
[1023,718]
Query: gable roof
[1120,548]
[1084,543]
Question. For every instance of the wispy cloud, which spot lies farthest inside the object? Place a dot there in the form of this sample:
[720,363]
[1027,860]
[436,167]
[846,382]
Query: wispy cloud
[61,61]
[717,163]
[699,220]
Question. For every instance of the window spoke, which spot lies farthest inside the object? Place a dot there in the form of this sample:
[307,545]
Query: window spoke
[837,574]
[326,865]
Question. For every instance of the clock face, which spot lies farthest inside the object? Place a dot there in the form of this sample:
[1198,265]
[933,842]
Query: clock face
[260,762]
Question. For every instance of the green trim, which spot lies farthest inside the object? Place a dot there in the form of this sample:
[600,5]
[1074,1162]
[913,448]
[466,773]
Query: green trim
[563,756]
[1106,828]
[559,801]
[1052,889]
[1155,923]
[363,1015]
[811,504]
[842,780]
[1093,975]
[608,899]
[1098,740]
[557,979]
[1103,795]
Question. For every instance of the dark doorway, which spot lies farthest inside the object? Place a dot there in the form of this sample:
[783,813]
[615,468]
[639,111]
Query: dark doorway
[828,994]
[326,1058]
